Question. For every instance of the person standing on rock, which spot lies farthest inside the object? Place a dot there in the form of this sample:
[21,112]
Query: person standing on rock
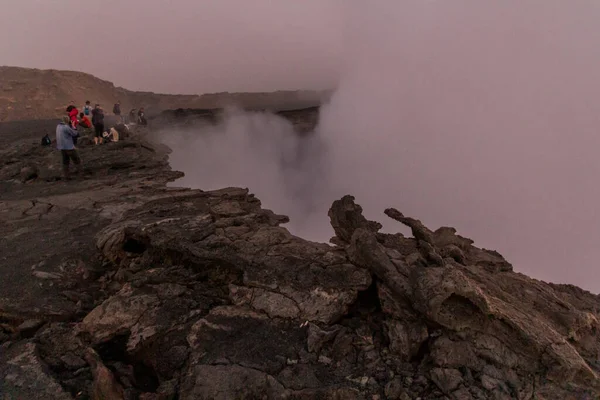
[64,142]
[87,109]
[72,112]
[142,117]
[117,111]
[132,116]
[98,122]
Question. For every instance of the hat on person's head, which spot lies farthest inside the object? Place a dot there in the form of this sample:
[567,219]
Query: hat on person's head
[66,120]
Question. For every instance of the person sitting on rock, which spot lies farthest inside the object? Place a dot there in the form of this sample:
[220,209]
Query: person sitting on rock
[85,122]
[64,142]
[111,135]
[114,135]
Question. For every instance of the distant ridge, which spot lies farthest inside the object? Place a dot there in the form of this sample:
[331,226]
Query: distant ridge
[27,93]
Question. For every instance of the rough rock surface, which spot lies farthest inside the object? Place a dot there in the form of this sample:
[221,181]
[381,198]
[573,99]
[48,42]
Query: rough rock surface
[115,286]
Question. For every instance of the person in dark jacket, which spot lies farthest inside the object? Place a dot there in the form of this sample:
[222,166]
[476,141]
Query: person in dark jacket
[132,116]
[117,111]
[64,142]
[98,122]
[142,117]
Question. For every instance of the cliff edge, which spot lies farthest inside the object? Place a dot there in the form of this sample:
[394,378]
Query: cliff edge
[27,94]
[117,287]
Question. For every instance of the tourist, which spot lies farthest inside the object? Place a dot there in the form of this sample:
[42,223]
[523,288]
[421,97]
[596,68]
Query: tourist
[132,116]
[98,122]
[64,142]
[85,123]
[117,111]
[142,117]
[87,109]
[113,135]
[72,113]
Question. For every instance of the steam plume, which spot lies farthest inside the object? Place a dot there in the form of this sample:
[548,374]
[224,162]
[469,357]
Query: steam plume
[479,115]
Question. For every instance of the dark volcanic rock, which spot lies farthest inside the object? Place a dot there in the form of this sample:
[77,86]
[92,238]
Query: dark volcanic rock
[116,286]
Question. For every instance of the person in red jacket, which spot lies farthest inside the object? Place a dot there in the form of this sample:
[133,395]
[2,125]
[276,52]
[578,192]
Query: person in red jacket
[73,113]
[72,116]
[84,121]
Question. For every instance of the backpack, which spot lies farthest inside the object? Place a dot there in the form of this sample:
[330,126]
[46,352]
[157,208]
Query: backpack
[86,110]
[46,141]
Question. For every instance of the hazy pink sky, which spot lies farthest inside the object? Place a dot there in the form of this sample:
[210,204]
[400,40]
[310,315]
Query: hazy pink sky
[483,115]
[181,46]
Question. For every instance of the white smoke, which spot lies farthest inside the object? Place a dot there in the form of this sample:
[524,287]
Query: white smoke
[479,115]
[263,152]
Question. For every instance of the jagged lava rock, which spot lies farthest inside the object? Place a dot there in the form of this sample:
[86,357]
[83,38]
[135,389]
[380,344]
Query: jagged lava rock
[190,294]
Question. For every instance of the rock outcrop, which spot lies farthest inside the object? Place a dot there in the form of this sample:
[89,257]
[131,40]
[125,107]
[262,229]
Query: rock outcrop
[149,292]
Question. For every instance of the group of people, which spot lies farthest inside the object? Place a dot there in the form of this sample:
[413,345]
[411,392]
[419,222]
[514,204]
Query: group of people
[141,116]
[74,123]
[97,121]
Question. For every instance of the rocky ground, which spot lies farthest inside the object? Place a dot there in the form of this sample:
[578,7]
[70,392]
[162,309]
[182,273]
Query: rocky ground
[116,287]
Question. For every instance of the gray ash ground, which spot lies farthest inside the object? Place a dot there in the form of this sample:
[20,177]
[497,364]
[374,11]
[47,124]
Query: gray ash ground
[115,286]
